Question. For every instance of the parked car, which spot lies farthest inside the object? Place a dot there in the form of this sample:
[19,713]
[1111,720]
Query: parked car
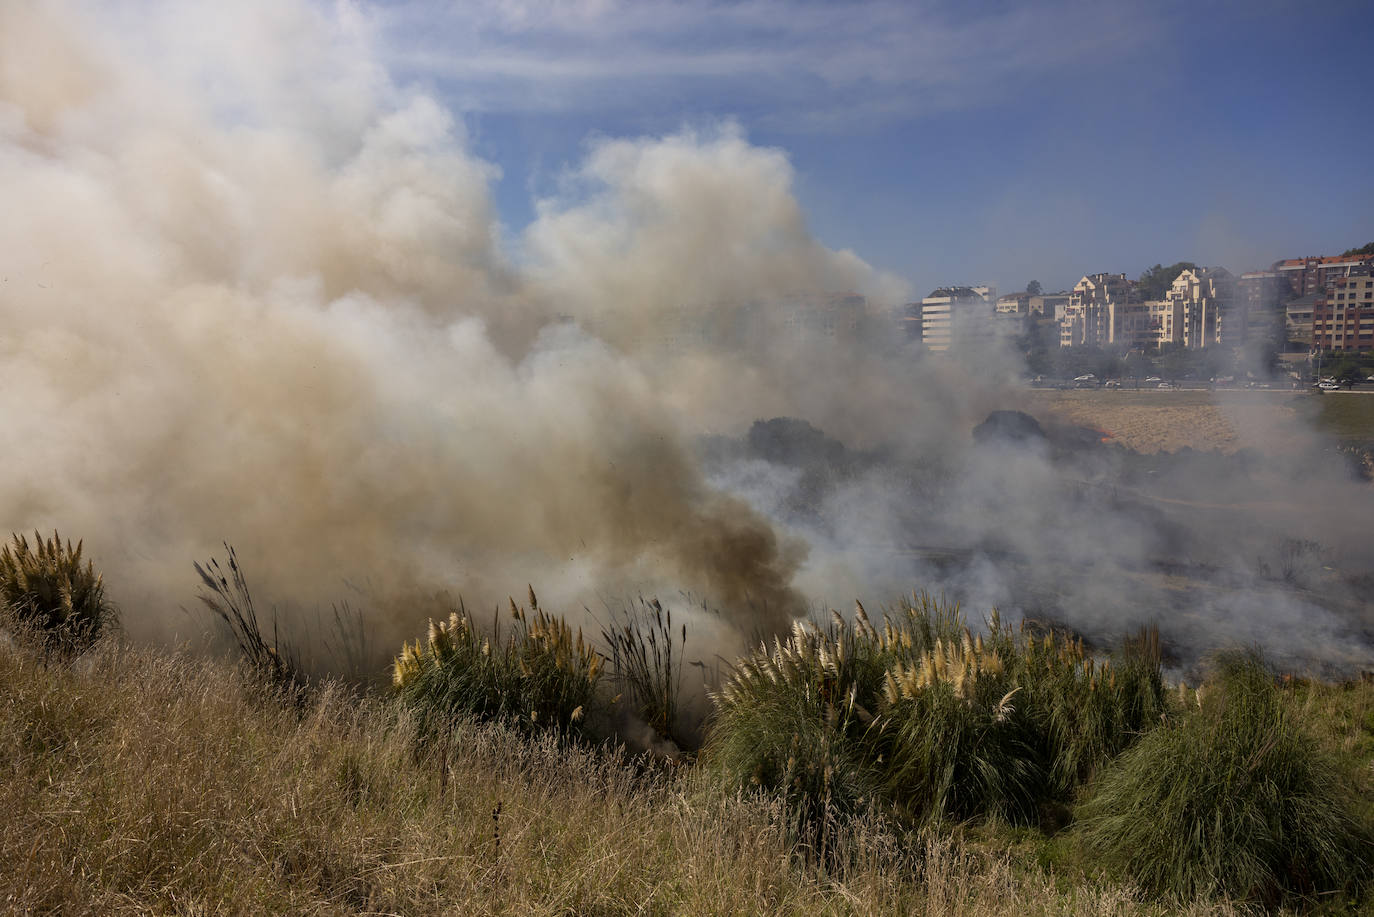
[1164,385]
[1326,386]
[1154,379]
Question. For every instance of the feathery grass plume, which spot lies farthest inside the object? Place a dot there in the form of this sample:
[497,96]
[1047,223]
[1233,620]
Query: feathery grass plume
[1233,800]
[956,742]
[645,664]
[544,675]
[227,597]
[46,588]
[936,724]
[789,721]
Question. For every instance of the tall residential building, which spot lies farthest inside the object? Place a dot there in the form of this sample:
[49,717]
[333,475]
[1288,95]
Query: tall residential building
[1166,321]
[1095,308]
[1258,314]
[1204,296]
[950,313]
[1313,275]
[1343,316]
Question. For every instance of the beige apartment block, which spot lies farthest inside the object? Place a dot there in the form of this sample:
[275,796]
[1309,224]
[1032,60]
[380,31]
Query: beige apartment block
[1014,304]
[1050,304]
[1096,305]
[1166,322]
[1203,296]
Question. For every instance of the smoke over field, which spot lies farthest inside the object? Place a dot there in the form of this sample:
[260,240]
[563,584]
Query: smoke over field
[255,290]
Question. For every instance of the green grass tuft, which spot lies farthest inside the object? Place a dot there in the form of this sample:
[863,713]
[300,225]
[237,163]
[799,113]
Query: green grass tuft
[1233,800]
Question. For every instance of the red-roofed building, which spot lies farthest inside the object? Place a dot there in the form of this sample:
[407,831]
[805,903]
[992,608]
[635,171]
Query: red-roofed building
[1314,275]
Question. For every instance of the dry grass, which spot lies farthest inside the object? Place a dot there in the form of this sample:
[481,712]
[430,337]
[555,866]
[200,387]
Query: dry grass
[1155,421]
[132,782]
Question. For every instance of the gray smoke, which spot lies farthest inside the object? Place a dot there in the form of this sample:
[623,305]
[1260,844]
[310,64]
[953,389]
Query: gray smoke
[254,290]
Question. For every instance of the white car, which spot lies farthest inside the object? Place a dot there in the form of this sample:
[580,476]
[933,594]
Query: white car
[1164,385]
[1086,377]
[1154,379]
[1328,386]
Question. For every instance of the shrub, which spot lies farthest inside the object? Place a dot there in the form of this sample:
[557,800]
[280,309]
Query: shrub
[1085,710]
[957,743]
[789,721]
[927,719]
[542,676]
[47,588]
[1231,800]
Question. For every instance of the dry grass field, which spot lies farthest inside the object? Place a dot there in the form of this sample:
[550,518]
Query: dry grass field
[135,782]
[1155,421]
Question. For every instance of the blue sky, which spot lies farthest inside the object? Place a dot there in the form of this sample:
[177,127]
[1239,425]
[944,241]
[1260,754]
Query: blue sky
[948,142]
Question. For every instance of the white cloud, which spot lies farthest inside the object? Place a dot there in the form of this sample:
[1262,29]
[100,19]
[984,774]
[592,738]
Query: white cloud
[818,64]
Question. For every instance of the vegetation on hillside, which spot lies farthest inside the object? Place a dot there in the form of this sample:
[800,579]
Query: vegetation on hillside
[925,722]
[861,766]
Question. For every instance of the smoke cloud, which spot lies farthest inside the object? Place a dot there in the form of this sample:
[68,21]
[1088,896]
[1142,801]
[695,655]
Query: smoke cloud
[255,290]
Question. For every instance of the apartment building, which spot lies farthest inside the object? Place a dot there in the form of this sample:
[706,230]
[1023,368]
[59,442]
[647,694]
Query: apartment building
[1304,276]
[1050,304]
[1202,297]
[1096,306]
[1298,320]
[951,313]
[1258,312]
[1166,321]
[1343,316]
[1014,304]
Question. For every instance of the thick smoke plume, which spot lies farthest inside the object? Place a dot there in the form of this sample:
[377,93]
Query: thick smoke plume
[255,290]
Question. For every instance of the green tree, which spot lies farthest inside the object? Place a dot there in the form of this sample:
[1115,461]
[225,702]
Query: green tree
[1138,366]
[1346,370]
[1175,363]
[1367,249]
[1034,288]
[1154,283]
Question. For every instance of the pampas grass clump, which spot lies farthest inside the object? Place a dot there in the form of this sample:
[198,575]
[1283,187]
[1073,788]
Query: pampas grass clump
[46,588]
[542,675]
[930,721]
[1233,800]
